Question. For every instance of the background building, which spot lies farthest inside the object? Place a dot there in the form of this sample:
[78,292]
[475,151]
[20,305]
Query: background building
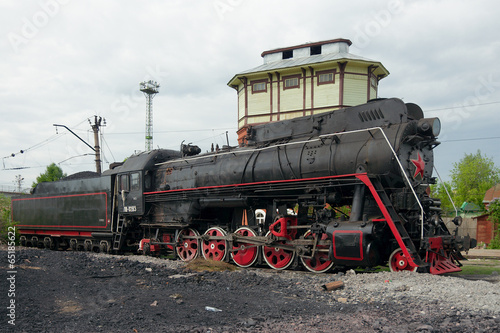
[304,80]
[485,226]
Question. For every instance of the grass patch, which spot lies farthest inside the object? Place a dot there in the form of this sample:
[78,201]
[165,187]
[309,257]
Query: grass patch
[479,267]
[376,269]
[171,256]
[202,265]
[478,270]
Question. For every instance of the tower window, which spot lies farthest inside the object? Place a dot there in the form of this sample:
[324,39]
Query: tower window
[287,54]
[315,49]
[259,86]
[291,82]
[325,77]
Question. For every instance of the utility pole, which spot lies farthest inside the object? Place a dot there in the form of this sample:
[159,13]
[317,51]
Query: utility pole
[95,128]
[97,149]
[150,89]
[19,182]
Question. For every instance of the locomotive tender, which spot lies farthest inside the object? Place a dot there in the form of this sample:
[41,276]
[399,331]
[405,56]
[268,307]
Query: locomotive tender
[346,188]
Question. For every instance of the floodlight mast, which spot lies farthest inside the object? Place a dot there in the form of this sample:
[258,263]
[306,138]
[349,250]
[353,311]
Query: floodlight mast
[150,89]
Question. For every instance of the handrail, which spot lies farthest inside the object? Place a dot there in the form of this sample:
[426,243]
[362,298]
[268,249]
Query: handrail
[448,193]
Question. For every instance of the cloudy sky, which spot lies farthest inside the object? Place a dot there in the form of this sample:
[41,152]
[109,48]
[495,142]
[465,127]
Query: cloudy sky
[64,61]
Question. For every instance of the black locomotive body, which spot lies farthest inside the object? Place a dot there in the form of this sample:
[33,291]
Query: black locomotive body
[346,188]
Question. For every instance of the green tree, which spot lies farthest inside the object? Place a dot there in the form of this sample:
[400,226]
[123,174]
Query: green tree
[494,210]
[6,224]
[472,177]
[52,173]
[4,208]
[438,191]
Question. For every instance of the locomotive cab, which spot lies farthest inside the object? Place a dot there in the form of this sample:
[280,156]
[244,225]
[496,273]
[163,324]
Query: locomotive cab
[130,189]
[134,177]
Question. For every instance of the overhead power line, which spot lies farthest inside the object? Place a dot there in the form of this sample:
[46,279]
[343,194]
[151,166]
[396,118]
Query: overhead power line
[42,143]
[472,139]
[461,106]
[35,146]
[19,168]
[177,131]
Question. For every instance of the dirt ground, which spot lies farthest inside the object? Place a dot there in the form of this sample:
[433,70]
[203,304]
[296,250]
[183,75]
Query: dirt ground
[58,291]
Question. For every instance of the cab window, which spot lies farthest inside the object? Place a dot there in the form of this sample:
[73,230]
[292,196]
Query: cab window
[147,180]
[135,183]
[124,183]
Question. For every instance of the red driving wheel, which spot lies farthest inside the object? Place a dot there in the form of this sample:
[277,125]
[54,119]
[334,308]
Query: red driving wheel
[319,263]
[275,257]
[214,249]
[187,248]
[244,254]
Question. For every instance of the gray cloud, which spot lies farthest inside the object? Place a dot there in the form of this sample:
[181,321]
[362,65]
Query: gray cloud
[64,61]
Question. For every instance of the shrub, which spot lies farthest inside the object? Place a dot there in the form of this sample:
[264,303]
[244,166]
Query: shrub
[494,210]
[495,242]
[6,223]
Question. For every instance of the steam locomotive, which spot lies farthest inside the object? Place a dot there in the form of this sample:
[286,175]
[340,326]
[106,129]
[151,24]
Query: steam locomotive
[347,188]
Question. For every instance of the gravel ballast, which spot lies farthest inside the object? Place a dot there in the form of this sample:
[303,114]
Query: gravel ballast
[85,292]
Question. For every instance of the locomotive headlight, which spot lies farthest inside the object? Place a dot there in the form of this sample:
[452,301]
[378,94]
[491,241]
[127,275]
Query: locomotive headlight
[436,126]
[429,126]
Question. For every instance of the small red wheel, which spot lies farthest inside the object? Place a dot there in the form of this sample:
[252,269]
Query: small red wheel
[244,254]
[214,249]
[319,263]
[276,257]
[398,262]
[187,246]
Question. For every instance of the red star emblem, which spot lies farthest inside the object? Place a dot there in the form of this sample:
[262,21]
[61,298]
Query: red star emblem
[419,167]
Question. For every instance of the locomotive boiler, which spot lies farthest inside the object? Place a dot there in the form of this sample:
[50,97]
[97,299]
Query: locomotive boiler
[347,188]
